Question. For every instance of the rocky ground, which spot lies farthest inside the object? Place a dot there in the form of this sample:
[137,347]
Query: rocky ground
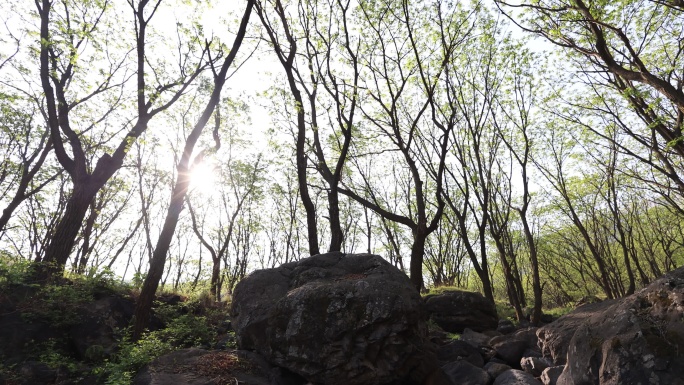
[356,320]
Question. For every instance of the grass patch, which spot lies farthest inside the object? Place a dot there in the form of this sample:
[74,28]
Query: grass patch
[446,289]
[558,312]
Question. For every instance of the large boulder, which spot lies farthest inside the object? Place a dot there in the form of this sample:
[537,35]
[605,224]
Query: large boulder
[335,319]
[635,340]
[84,328]
[555,337]
[535,365]
[495,369]
[95,335]
[457,310]
[475,339]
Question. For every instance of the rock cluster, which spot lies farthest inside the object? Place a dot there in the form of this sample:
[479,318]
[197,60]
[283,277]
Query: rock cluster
[638,339]
[354,319]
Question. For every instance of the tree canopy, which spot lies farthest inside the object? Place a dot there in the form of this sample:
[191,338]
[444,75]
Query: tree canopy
[531,150]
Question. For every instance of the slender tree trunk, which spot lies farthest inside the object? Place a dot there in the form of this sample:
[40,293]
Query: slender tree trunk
[483,273]
[336,233]
[215,285]
[9,210]
[511,285]
[536,282]
[154,275]
[309,207]
[87,234]
[26,178]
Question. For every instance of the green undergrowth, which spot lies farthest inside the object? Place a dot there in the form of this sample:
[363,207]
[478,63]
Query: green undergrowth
[187,324]
[189,320]
[445,289]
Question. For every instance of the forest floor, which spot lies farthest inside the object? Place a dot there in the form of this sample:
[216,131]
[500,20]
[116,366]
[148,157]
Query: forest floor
[77,331]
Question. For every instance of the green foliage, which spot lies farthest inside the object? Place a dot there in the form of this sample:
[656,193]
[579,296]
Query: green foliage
[57,304]
[558,312]
[505,311]
[446,289]
[183,329]
[13,271]
[131,357]
[53,355]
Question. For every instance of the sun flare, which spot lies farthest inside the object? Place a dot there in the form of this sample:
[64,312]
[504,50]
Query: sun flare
[203,178]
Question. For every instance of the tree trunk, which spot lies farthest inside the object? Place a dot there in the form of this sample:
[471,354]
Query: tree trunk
[309,207]
[215,275]
[536,282]
[87,234]
[336,234]
[21,195]
[62,242]
[154,275]
[483,273]
[417,255]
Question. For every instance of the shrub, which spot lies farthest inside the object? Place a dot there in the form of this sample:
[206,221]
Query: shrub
[131,357]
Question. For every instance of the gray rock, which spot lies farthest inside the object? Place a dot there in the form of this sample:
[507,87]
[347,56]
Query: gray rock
[460,350]
[492,333]
[464,373]
[505,327]
[495,369]
[454,311]
[555,337]
[95,335]
[535,365]
[34,372]
[512,347]
[529,335]
[532,353]
[511,351]
[516,377]
[335,319]
[638,339]
[550,375]
[474,338]
[497,360]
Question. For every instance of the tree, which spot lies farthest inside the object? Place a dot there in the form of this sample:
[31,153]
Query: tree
[243,180]
[27,148]
[63,35]
[579,203]
[286,53]
[473,79]
[401,77]
[617,43]
[512,118]
[180,188]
